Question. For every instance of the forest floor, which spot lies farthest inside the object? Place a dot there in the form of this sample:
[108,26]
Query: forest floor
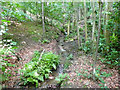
[28,36]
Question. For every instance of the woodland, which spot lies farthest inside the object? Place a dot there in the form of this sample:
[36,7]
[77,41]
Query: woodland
[60,44]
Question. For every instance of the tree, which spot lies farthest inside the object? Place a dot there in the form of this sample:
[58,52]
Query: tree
[107,31]
[77,19]
[0,26]
[93,17]
[43,23]
[99,28]
[85,20]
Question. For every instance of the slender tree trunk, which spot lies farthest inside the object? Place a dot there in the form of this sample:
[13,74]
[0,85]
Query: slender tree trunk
[79,13]
[93,17]
[68,31]
[24,12]
[73,16]
[64,14]
[104,20]
[73,22]
[43,23]
[0,46]
[85,20]
[0,27]
[99,28]
[107,31]
[93,29]
[36,9]
[77,19]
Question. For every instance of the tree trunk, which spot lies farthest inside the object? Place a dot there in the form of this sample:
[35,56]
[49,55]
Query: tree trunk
[0,28]
[43,23]
[107,31]
[36,9]
[77,19]
[85,20]
[93,17]
[99,28]
[64,14]
[68,31]
[104,20]
[93,29]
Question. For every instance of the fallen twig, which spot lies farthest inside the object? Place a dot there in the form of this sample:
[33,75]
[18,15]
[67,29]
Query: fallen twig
[41,54]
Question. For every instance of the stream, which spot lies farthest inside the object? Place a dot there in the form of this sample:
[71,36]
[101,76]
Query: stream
[27,46]
[63,54]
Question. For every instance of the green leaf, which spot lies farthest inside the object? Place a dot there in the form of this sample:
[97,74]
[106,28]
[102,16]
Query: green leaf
[48,70]
[3,69]
[13,43]
[102,81]
[79,74]
[46,75]
[41,78]
[100,85]
[54,66]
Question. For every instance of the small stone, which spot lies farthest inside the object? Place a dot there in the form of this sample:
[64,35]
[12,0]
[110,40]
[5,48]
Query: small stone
[51,77]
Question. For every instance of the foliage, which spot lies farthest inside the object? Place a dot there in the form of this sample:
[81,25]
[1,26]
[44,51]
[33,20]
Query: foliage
[14,13]
[67,62]
[99,75]
[62,78]
[86,47]
[39,70]
[110,54]
[5,64]
[69,57]
[6,49]
[58,15]
[45,41]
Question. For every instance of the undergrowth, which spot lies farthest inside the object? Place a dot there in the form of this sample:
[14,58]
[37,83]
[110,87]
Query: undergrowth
[37,69]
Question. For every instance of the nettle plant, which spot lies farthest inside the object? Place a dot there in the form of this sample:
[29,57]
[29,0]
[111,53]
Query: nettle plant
[37,70]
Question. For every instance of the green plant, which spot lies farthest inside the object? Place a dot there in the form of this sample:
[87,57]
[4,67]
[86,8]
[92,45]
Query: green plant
[39,69]
[69,57]
[62,78]
[5,64]
[67,62]
[109,53]
[99,75]
[45,41]
[86,47]
[111,59]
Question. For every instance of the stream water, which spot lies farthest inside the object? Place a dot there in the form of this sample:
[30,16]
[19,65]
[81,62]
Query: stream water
[60,69]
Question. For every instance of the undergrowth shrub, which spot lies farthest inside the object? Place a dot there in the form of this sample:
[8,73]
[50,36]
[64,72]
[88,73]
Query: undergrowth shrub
[86,47]
[38,70]
[109,52]
[4,64]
